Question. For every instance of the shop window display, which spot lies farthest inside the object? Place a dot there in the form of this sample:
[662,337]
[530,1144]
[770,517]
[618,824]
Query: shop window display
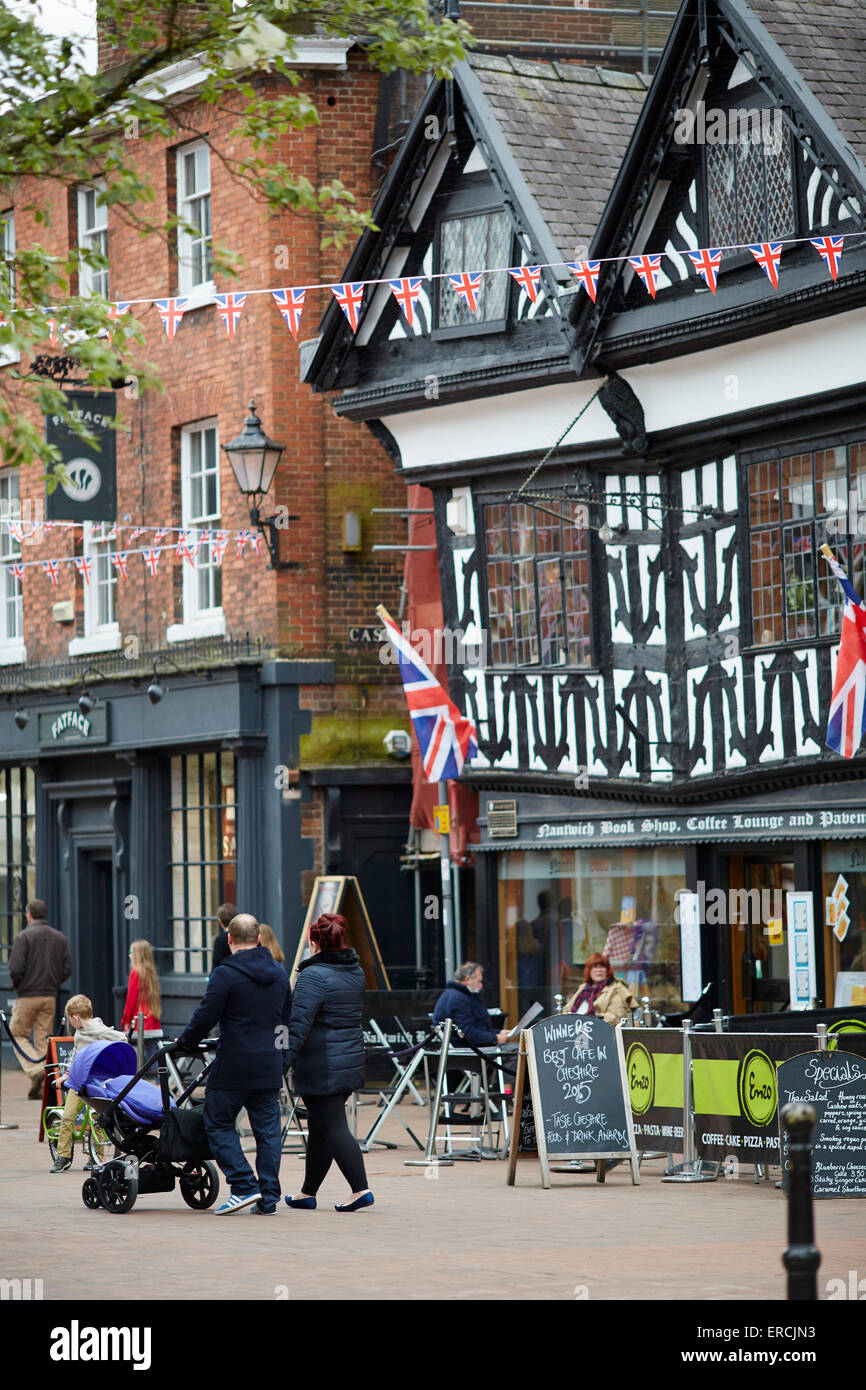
[558,907]
[843,864]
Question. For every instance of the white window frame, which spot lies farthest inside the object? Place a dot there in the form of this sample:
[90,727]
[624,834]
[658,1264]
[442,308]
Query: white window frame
[194,279]
[198,621]
[98,541]
[93,236]
[12,649]
[7,251]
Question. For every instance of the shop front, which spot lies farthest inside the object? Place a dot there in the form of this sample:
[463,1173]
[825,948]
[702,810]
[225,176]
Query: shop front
[574,877]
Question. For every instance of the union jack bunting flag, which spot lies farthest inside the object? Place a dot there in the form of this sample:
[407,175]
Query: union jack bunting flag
[406,292]
[218,546]
[51,568]
[120,306]
[171,313]
[349,298]
[17,572]
[160,534]
[16,531]
[229,308]
[243,537]
[139,531]
[119,560]
[829,248]
[48,526]
[707,263]
[290,304]
[445,737]
[845,725]
[587,273]
[256,539]
[201,539]
[84,566]
[768,254]
[53,325]
[527,277]
[151,559]
[647,268]
[468,287]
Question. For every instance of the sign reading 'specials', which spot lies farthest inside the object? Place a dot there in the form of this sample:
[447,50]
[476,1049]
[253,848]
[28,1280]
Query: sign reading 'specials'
[68,724]
[87,488]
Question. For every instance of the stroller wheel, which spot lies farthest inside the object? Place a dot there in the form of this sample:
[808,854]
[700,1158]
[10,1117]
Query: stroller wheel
[117,1192]
[199,1185]
[90,1194]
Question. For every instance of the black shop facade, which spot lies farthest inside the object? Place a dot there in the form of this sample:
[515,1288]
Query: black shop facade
[733,901]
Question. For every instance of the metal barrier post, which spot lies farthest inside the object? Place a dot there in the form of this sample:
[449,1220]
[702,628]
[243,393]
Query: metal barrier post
[801,1259]
[821,1030]
[717,1020]
[139,1040]
[558,1001]
[691,1169]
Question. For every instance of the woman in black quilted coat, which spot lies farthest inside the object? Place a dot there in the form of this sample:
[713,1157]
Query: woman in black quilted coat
[326,1052]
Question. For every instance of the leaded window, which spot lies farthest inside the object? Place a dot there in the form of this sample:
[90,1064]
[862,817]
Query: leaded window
[203,853]
[17,851]
[794,503]
[750,179]
[472,243]
[537,585]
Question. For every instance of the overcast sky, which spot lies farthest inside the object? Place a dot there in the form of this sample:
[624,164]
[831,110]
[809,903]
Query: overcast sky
[75,18]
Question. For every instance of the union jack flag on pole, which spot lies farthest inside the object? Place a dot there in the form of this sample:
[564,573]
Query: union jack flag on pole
[845,725]
[446,738]
[290,304]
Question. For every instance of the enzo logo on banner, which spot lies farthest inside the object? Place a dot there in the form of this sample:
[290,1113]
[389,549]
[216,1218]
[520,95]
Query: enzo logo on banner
[86,475]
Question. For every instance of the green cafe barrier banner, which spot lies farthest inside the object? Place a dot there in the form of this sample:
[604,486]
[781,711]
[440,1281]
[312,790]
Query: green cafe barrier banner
[654,1067]
[735,1090]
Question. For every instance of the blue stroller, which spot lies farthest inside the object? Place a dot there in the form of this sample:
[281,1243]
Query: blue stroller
[156,1143]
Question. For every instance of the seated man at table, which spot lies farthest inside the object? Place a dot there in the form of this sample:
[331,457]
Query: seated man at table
[460,1002]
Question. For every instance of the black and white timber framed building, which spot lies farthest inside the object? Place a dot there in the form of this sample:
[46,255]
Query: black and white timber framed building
[654,624]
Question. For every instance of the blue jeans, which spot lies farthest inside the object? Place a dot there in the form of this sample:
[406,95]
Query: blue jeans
[220,1113]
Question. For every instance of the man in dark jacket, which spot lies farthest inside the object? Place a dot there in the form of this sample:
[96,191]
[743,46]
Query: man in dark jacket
[460,1002]
[38,964]
[249,996]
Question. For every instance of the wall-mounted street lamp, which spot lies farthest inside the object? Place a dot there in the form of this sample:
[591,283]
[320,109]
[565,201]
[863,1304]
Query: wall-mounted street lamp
[156,691]
[86,701]
[21,715]
[254,458]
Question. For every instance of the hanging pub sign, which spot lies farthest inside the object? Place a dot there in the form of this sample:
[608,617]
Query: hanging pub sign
[87,490]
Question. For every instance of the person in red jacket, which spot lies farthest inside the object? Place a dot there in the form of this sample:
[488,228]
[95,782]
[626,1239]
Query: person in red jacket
[143,989]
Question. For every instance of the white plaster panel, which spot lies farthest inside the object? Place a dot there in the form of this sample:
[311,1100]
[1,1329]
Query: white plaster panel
[774,750]
[620,680]
[733,757]
[805,745]
[647,555]
[693,680]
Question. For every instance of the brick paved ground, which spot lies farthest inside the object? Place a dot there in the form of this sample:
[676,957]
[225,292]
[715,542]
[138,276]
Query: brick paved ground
[462,1235]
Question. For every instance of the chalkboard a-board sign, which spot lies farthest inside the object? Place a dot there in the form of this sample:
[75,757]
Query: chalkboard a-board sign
[834,1084]
[58,1058]
[578,1095]
[342,893]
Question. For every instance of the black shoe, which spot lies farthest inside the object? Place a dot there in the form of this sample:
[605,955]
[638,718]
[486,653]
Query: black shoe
[259,1210]
[61,1165]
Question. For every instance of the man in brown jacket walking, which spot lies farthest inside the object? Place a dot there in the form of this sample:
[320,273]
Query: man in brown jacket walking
[38,965]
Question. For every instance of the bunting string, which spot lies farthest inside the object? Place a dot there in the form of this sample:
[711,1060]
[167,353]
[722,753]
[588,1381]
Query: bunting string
[466,284]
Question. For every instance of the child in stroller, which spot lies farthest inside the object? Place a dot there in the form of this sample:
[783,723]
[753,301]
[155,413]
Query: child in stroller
[156,1142]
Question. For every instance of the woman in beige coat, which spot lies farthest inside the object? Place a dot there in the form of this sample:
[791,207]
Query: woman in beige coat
[602,994]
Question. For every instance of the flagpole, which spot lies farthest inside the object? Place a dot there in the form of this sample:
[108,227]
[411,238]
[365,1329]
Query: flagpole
[447,900]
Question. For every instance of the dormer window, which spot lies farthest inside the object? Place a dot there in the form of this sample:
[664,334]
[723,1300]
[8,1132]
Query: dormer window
[473,232]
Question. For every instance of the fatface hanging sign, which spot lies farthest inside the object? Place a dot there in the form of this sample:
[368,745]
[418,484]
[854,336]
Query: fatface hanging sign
[87,487]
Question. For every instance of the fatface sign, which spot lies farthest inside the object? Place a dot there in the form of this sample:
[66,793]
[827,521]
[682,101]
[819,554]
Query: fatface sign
[88,491]
[68,725]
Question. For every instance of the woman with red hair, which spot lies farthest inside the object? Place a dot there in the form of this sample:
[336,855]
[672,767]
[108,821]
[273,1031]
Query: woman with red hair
[602,993]
[326,1053]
